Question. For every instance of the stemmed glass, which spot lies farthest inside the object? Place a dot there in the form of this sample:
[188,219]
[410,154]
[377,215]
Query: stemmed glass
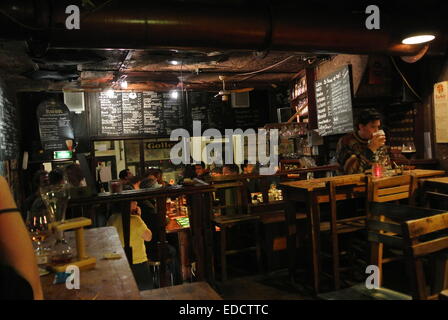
[37,222]
[56,199]
[408,150]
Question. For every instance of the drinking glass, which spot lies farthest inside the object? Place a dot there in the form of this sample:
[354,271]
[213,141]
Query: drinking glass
[37,222]
[56,199]
[408,150]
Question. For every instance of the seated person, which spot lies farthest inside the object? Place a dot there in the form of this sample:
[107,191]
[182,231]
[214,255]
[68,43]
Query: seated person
[56,177]
[125,176]
[202,172]
[75,176]
[139,233]
[355,151]
[149,216]
[216,172]
[230,169]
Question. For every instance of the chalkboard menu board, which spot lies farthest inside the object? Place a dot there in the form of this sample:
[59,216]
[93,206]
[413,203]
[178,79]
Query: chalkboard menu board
[136,113]
[198,102]
[110,114]
[9,141]
[132,114]
[247,117]
[334,103]
[153,113]
[173,114]
[54,125]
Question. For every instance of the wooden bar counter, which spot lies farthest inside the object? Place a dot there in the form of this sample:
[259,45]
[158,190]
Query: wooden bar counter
[109,280]
[312,193]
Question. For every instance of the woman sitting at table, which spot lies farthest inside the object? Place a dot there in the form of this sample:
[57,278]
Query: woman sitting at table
[356,150]
[139,233]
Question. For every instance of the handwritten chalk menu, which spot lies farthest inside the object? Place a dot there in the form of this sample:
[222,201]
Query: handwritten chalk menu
[198,102]
[153,113]
[173,114]
[247,117]
[54,125]
[111,113]
[9,141]
[131,104]
[334,103]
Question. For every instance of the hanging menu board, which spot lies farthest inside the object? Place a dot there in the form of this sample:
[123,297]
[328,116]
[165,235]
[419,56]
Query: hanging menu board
[334,103]
[199,107]
[111,114]
[153,113]
[172,113]
[9,142]
[54,125]
[131,103]
[247,117]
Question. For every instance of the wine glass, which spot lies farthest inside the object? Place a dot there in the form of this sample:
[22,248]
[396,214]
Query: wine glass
[408,150]
[37,222]
[56,199]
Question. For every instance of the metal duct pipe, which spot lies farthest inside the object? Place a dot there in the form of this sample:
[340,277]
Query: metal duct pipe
[135,24]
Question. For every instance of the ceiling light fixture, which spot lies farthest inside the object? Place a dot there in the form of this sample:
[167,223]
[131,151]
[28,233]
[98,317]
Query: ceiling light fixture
[418,38]
[174,94]
[174,62]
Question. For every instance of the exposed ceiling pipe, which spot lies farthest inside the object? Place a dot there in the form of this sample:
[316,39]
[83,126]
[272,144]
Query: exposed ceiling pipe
[135,24]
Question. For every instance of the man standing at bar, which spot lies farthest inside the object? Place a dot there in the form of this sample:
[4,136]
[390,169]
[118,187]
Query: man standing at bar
[355,151]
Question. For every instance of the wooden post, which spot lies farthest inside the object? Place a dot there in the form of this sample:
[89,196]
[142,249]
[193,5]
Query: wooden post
[80,244]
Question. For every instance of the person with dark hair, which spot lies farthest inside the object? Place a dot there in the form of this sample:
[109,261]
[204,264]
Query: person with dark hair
[216,172]
[355,151]
[56,176]
[75,176]
[125,176]
[201,171]
[230,169]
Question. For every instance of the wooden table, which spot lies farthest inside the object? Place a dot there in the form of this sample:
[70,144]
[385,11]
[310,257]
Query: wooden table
[312,192]
[109,280]
[189,291]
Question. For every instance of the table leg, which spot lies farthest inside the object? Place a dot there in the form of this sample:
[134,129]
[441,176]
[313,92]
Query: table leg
[314,231]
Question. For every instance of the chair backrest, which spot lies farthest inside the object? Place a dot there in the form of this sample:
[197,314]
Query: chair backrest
[233,198]
[423,237]
[337,186]
[390,188]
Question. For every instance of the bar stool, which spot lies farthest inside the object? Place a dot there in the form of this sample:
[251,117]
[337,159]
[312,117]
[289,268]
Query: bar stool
[237,216]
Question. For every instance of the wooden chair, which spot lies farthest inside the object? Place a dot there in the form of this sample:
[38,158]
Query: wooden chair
[389,189]
[399,217]
[424,237]
[338,226]
[236,216]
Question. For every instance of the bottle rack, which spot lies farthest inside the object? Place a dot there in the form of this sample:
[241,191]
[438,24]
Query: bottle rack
[299,98]
[401,128]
